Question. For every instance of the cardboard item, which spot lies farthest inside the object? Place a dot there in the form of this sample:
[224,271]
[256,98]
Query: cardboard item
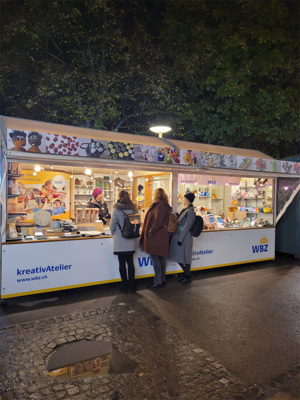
[30,231]
[94,214]
[79,216]
[15,207]
[12,200]
[12,231]
[87,215]
[15,168]
[239,215]
[12,186]
[86,226]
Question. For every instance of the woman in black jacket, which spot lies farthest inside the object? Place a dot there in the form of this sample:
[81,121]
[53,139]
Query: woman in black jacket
[98,202]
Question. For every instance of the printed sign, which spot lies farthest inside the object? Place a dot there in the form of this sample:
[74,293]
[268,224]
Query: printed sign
[48,143]
[47,190]
[53,265]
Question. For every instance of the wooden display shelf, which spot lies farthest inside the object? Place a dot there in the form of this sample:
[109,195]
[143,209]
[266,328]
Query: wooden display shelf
[11,215]
[10,175]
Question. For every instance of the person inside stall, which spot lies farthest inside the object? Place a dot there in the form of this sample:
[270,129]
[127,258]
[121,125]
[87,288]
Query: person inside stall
[98,202]
[140,190]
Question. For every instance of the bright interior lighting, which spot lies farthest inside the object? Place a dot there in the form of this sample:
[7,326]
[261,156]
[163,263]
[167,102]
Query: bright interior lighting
[34,173]
[146,179]
[88,171]
[160,129]
[92,177]
[130,174]
[131,179]
[51,166]
[110,180]
[116,172]
[227,183]
[37,168]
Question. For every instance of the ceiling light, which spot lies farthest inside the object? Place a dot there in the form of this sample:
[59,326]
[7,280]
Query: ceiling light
[34,173]
[88,171]
[37,168]
[51,166]
[130,174]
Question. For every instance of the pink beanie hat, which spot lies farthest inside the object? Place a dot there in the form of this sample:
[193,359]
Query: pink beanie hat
[96,192]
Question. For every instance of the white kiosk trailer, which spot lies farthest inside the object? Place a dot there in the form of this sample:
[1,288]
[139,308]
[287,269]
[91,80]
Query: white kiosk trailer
[51,241]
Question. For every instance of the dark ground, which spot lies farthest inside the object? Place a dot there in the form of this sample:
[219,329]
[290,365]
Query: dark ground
[232,334]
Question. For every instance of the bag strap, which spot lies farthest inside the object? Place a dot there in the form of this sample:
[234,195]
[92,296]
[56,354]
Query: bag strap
[184,214]
[124,221]
[165,224]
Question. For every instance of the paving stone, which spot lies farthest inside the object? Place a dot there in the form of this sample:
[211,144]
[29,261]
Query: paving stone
[192,373]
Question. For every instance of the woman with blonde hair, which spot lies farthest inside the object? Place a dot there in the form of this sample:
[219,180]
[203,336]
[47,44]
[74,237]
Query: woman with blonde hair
[155,237]
[124,248]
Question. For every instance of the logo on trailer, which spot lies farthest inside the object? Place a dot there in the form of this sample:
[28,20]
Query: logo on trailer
[262,247]
[144,261]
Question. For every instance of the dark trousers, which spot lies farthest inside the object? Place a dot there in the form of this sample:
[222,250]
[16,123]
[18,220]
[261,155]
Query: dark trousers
[126,281]
[159,265]
[187,270]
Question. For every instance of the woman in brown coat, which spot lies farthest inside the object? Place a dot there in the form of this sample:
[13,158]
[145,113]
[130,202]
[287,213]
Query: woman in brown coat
[155,237]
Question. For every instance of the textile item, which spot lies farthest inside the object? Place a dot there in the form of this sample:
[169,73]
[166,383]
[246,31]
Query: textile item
[96,192]
[190,197]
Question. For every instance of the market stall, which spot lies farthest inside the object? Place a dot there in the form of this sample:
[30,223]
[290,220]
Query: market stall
[51,240]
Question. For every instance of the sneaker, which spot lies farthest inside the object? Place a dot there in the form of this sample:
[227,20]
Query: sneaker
[185,281]
[156,286]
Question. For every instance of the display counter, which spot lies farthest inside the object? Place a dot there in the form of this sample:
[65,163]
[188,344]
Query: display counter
[51,265]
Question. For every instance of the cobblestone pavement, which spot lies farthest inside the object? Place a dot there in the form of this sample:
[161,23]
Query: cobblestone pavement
[166,366]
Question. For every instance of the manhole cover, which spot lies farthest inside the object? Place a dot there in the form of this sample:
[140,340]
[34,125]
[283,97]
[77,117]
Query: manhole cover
[86,358]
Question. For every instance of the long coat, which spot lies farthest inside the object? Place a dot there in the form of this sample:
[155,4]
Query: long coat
[155,237]
[183,254]
[121,245]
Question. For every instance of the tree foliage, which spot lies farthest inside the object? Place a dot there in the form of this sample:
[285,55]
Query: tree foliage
[238,67]
[91,63]
[223,72]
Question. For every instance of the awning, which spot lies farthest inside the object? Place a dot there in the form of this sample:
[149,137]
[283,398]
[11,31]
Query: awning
[98,134]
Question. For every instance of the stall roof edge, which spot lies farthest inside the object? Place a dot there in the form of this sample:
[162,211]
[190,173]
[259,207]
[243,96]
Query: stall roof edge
[98,134]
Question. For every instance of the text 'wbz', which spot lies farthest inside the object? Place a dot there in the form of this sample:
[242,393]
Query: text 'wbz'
[260,248]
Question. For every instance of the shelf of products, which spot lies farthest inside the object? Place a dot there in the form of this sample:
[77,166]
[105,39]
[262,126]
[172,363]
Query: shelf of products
[252,199]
